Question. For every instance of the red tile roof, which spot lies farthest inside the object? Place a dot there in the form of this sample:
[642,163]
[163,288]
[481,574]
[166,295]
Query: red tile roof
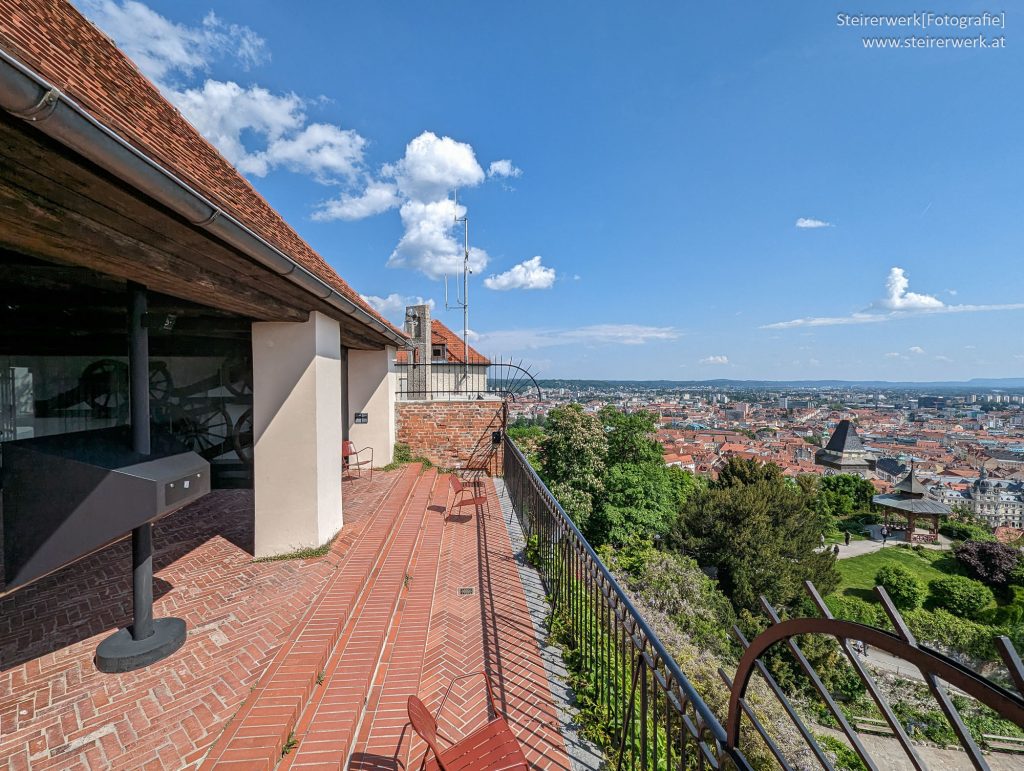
[440,334]
[454,347]
[55,40]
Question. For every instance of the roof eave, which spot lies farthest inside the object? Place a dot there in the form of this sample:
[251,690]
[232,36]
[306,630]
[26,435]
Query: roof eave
[27,95]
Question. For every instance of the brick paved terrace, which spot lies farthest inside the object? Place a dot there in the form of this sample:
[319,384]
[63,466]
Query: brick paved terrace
[289,664]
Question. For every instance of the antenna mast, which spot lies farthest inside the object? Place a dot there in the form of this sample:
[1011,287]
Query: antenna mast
[462,302]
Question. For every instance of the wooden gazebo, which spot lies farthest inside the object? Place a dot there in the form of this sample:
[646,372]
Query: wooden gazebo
[908,500]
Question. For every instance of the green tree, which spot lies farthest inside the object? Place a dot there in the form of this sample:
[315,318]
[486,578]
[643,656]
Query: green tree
[746,471]
[759,536]
[842,495]
[631,436]
[572,460]
[903,586]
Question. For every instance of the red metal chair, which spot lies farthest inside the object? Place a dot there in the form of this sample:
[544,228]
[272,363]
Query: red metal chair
[350,457]
[490,748]
[461,490]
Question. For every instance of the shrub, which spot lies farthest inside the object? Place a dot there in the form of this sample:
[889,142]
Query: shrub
[966,531]
[902,585]
[960,595]
[855,609]
[991,562]
[954,634]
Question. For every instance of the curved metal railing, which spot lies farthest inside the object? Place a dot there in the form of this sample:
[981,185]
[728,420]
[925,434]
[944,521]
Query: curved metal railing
[654,716]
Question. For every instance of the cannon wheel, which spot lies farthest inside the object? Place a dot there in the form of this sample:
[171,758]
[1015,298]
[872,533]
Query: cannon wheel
[104,385]
[236,376]
[161,384]
[207,433]
[243,437]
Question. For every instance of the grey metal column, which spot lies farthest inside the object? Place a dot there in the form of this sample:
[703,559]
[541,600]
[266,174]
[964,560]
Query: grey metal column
[147,640]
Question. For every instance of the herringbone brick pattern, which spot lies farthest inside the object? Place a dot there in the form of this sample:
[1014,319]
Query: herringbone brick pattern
[57,711]
[256,736]
[444,634]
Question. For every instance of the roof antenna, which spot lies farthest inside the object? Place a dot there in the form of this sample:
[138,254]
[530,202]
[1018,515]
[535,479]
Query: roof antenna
[463,301]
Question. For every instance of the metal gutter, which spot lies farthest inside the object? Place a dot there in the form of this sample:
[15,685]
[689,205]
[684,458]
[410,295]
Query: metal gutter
[27,95]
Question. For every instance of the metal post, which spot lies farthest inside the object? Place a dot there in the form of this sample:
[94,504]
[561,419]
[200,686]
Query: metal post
[147,640]
[142,581]
[142,536]
[138,363]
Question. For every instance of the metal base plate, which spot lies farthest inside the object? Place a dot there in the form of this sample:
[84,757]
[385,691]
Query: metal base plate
[120,653]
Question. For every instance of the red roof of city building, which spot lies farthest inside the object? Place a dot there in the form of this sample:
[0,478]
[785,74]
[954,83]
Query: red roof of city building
[454,347]
[57,42]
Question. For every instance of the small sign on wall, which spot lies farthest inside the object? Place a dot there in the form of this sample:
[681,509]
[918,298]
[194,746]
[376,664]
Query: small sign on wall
[361,417]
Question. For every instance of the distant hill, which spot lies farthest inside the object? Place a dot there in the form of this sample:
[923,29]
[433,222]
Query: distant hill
[977,384]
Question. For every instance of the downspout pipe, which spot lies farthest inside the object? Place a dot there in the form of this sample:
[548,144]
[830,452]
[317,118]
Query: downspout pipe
[27,95]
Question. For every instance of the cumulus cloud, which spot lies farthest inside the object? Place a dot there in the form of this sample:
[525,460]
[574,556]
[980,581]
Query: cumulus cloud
[393,306]
[428,243]
[805,223]
[897,303]
[714,360]
[941,357]
[254,128]
[433,166]
[529,274]
[899,298]
[161,47]
[420,184]
[895,355]
[503,168]
[916,349]
[376,197]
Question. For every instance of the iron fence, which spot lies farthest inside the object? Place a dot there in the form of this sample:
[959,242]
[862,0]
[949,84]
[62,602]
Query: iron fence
[653,716]
[453,381]
[663,721]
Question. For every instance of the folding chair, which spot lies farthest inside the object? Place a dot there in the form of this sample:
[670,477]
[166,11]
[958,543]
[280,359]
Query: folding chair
[350,457]
[489,748]
[461,490]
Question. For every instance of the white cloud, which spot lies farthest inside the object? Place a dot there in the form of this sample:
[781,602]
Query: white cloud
[161,47]
[377,197]
[895,355]
[940,357]
[434,166]
[899,299]
[714,360]
[253,128]
[595,334]
[419,185]
[805,223]
[529,274]
[503,168]
[393,306]
[916,349]
[898,303]
[428,244]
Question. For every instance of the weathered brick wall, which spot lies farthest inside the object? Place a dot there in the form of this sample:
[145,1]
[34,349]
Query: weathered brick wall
[452,434]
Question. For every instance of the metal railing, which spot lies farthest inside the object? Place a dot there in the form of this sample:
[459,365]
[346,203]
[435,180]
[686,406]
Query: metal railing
[653,715]
[660,719]
[448,381]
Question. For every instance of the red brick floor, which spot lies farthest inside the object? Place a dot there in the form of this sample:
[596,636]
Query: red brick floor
[57,711]
[323,651]
[435,634]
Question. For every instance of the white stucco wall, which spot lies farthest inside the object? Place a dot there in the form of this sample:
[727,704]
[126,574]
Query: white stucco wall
[371,390]
[297,432]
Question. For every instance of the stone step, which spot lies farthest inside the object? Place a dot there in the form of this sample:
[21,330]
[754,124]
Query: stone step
[256,736]
[384,732]
[325,732]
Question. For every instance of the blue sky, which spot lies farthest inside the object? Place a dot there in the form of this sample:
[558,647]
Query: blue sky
[635,174]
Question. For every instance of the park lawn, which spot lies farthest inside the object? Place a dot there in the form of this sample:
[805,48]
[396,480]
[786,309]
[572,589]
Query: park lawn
[857,574]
